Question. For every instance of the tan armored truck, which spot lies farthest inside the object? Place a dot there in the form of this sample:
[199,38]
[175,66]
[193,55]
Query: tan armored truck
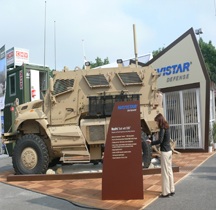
[72,121]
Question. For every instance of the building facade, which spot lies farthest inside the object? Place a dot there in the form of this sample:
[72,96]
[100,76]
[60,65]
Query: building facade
[188,96]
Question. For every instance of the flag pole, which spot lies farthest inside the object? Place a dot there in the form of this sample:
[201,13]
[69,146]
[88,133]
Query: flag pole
[45,36]
[55,42]
[84,53]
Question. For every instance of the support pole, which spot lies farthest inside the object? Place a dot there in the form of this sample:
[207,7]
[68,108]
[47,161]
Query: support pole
[135,44]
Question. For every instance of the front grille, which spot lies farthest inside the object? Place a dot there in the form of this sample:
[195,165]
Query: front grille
[103,105]
[96,133]
[24,107]
[37,105]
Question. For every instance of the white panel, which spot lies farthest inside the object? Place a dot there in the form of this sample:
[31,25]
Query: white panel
[20,56]
[199,117]
[35,89]
[182,119]
[212,117]
[211,112]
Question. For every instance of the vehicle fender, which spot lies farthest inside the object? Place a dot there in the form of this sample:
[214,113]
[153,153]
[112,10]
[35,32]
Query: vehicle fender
[44,124]
[30,115]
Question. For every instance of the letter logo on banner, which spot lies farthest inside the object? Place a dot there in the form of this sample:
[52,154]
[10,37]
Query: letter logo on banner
[174,69]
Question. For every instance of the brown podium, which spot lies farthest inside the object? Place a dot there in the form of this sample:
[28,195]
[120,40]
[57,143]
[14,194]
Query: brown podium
[122,177]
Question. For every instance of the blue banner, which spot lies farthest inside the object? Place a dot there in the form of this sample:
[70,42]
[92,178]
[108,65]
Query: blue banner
[2,124]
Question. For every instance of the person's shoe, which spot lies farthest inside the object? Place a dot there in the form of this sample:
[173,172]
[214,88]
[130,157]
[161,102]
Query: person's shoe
[172,194]
[165,196]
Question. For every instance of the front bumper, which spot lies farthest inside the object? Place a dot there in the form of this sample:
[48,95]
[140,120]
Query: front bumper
[8,138]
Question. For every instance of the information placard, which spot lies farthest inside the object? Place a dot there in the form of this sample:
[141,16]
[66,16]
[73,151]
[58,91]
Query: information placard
[122,167]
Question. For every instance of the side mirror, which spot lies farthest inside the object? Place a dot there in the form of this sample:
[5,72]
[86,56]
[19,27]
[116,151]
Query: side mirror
[51,85]
[16,102]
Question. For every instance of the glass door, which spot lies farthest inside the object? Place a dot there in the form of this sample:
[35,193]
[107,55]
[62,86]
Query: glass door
[182,111]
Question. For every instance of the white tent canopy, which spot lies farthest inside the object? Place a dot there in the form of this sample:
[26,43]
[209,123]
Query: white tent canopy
[142,58]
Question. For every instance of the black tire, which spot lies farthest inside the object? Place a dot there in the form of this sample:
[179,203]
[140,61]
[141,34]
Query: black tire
[95,162]
[30,155]
[54,162]
[146,151]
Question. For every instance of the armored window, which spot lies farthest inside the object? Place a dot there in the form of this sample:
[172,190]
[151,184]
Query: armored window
[96,80]
[131,78]
[63,85]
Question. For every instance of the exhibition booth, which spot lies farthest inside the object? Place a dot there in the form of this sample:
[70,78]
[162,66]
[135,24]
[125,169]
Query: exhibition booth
[188,96]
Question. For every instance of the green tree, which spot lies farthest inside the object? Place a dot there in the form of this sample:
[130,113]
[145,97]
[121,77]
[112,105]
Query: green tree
[106,61]
[209,55]
[154,53]
[99,62]
[51,73]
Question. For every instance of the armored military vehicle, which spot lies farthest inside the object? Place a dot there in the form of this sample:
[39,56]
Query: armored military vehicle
[72,121]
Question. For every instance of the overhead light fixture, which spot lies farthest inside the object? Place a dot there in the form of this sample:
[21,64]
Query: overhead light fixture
[198,32]
[119,61]
[87,63]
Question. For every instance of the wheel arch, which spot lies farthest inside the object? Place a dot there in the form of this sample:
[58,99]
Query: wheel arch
[145,127]
[39,127]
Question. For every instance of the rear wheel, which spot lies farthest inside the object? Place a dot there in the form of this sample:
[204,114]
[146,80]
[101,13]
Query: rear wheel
[30,155]
[146,151]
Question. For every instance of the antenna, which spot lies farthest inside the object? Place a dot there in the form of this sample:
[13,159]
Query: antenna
[55,42]
[215,7]
[45,36]
[135,44]
[84,53]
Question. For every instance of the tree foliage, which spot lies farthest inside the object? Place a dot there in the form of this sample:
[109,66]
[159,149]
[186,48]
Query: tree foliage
[209,55]
[51,73]
[154,53]
[99,62]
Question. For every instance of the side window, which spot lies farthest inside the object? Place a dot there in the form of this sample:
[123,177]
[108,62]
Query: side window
[130,78]
[12,85]
[96,81]
[63,85]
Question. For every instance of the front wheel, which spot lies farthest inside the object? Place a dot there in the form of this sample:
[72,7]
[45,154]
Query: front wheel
[30,155]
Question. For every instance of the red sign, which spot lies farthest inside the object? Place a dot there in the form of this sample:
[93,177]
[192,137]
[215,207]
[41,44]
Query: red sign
[21,54]
[33,93]
[122,177]
[21,79]
[10,55]
[17,56]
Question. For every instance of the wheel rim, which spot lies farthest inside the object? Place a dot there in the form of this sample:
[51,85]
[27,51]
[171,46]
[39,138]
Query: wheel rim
[29,158]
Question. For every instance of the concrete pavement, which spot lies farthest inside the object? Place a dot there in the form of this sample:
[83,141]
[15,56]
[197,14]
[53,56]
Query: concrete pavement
[17,198]
[195,192]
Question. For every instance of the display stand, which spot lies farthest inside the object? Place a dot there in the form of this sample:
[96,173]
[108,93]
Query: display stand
[122,177]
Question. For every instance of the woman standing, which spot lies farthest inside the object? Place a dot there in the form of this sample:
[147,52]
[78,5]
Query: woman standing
[168,188]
